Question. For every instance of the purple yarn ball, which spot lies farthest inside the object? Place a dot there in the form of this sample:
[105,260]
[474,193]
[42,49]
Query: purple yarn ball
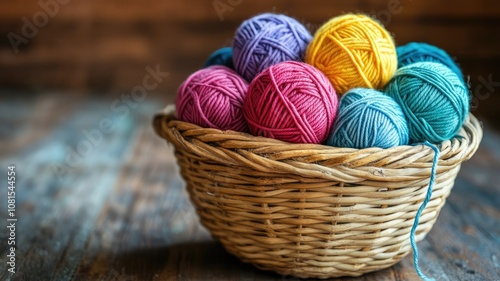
[266,40]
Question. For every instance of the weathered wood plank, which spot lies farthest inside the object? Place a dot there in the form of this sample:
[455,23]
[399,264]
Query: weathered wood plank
[149,210]
[126,43]
[56,215]
[203,10]
[103,46]
[25,122]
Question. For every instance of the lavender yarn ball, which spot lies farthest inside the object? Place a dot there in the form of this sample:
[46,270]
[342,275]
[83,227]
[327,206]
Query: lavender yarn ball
[266,40]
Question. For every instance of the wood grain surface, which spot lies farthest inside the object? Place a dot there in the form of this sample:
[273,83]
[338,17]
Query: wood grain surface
[99,46]
[115,207]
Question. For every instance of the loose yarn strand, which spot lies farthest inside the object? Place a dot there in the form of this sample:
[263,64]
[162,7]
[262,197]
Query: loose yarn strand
[421,209]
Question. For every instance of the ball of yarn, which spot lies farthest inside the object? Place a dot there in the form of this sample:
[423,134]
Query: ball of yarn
[291,101]
[213,97]
[222,56]
[353,51]
[417,52]
[268,39]
[433,98]
[368,118]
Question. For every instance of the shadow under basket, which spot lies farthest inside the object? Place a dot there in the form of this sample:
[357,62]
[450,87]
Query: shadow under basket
[309,210]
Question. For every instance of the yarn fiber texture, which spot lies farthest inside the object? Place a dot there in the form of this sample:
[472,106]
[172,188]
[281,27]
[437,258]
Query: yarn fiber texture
[368,118]
[222,56]
[434,99]
[353,51]
[266,40]
[419,52]
[291,101]
[428,197]
[213,97]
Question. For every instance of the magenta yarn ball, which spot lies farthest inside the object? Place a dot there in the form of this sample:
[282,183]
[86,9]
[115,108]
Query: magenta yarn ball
[291,101]
[213,98]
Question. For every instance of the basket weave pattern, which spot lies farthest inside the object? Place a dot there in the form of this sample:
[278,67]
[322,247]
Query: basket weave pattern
[311,210]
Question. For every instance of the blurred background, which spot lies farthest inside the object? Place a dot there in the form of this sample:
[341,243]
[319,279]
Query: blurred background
[74,47]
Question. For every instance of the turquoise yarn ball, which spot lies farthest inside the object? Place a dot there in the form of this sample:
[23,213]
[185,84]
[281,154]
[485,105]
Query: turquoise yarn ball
[420,52]
[434,99]
[368,118]
[222,56]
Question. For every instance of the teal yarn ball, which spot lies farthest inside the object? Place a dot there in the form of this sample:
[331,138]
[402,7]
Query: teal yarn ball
[368,118]
[433,98]
[222,56]
[419,52]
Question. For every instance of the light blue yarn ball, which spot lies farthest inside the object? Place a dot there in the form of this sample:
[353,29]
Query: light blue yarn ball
[433,98]
[418,52]
[368,118]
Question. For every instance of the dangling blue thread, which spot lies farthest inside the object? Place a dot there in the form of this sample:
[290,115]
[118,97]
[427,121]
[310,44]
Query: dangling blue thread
[421,209]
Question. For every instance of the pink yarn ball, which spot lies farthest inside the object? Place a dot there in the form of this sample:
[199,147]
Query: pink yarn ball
[291,101]
[213,98]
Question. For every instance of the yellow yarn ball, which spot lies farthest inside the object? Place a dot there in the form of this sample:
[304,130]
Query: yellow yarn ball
[353,51]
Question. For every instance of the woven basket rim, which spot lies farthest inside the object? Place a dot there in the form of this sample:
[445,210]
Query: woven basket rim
[463,145]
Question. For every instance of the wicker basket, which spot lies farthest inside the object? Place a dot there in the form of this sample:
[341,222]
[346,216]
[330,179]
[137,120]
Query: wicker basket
[312,210]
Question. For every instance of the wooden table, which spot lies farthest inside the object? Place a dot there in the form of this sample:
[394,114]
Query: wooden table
[99,197]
